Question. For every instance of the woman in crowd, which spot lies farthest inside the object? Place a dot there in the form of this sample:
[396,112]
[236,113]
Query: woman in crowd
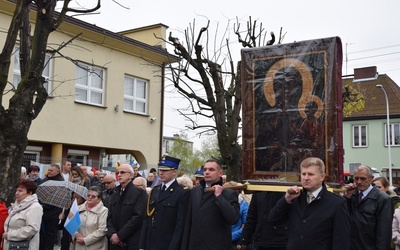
[93,229]
[25,216]
[79,177]
[33,174]
[383,184]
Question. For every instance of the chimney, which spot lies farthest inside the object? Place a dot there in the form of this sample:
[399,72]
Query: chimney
[365,74]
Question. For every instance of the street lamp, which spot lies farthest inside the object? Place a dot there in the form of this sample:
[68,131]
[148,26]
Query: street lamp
[388,133]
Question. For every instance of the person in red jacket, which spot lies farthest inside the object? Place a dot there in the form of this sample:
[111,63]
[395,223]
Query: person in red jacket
[3,217]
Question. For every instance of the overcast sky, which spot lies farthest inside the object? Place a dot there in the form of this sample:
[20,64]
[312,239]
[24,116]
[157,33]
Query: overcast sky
[368,28]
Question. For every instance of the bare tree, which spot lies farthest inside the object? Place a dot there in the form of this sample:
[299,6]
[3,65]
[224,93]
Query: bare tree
[206,75]
[29,97]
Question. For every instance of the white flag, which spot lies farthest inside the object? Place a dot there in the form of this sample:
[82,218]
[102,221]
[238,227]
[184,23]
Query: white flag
[73,220]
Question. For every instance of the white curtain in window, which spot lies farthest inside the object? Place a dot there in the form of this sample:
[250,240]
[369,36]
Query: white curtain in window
[81,95]
[81,75]
[97,78]
[128,104]
[128,86]
[96,97]
[140,107]
[141,89]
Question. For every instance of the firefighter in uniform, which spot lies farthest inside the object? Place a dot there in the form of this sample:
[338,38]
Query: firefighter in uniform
[166,210]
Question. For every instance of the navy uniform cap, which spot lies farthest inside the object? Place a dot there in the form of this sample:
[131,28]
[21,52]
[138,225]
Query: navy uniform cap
[168,163]
[199,172]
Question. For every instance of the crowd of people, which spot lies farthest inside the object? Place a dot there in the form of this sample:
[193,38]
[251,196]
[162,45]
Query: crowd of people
[166,210]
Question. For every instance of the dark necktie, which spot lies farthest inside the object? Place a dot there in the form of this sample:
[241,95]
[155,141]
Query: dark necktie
[162,190]
[360,196]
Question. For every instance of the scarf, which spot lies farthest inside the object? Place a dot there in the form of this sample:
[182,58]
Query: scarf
[77,180]
[18,207]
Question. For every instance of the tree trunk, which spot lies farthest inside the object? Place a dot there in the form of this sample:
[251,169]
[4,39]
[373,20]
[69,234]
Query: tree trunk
[234,166]
[15,121]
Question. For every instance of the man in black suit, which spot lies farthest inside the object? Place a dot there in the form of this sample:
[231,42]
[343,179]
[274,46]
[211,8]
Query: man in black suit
[257,230]
[317,218]
[166,210]
[211,214]
[126,212]
[371,212]
[50,218]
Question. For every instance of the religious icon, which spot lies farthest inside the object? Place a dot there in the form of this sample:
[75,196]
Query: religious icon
[290,108]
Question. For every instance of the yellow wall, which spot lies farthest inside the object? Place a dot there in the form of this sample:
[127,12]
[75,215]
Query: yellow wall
[62,120]
[149,35]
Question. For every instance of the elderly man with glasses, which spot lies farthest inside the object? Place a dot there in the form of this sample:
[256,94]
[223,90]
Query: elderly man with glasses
[126,212]
[109,186]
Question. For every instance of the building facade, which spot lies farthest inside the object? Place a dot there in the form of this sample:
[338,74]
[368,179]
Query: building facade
[365,132]
[104,93]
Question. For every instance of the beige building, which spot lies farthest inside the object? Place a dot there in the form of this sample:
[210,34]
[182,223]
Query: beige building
[106,99]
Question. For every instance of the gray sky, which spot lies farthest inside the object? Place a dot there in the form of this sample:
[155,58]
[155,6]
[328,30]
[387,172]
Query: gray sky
[368,28]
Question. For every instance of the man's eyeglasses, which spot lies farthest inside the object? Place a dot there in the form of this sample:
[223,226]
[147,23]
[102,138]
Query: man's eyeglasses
[92,196]
[108,182]
[122,172]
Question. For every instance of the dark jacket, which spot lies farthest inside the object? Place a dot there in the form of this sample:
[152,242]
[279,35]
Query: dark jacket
[51,212]
[210,219]
[106,197]
[257,230]
[371,221]
[323,224]
[163,226]
[36,180]
[126,214]
[93,181]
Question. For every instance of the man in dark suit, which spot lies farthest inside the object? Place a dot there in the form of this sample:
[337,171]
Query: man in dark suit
[50,218]
[317,218]
[109,184]
[371,212]
[211,214]
[166,210]
[257,230]
[126,212]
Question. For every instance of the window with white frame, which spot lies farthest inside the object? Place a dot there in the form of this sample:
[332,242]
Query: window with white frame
[135,95]
[89,87]
[394,134]
[360,136]
[48,67]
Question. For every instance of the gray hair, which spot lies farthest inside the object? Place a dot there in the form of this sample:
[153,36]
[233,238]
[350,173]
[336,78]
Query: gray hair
[56,166]
[364,167]
[143,181]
